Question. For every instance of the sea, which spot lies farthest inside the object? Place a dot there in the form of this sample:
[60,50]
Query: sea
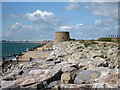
[11,49]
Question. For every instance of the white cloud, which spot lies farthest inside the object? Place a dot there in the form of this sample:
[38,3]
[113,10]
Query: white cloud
[97,7]
[72,6]
[42,17]
[70,28]
[20,27]
[98,22]
[19,31]
[64,28]
[94,30]
[79,25]
[104,9]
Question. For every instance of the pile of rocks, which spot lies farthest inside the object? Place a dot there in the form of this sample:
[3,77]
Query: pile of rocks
[71,64]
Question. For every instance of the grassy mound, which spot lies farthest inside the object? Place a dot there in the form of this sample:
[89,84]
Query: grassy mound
[108,39]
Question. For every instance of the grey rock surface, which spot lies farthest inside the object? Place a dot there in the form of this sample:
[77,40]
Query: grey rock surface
[84,76]
[8,84]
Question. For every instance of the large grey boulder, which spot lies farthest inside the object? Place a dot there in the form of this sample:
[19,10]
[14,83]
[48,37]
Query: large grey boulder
[52,74]
[55,72]
[86,76]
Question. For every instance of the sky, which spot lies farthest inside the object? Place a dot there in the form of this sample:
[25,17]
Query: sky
[37,21]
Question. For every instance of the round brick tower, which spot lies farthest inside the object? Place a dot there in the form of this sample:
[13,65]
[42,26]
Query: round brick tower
[61,36]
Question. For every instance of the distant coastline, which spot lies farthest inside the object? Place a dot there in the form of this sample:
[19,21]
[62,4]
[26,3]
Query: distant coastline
[41,42]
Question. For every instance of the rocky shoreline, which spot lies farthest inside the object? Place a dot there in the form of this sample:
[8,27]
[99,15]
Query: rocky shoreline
[70,64]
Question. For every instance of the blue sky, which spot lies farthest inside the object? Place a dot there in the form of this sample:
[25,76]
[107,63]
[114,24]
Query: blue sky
[39,20]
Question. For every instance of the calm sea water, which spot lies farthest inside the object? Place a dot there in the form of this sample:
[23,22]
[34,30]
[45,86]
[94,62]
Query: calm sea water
[16,48]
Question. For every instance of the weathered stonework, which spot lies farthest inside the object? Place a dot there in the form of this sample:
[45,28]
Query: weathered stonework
[61,36]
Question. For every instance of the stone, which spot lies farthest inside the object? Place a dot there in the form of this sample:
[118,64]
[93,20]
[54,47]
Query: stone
[75,86]
[50,59]
[112,56]
[26,72]
[27,66]
[90,66]
[81,65]
[59,60]
[103,64]
[70,65]
[19,81]
[21,65]
[9,77]
[42,85]
[44,66]
[8,84]
[36,72]
[102,85]
[47,63]
[110,52]
[65,78]
[85,76]
[93,77]
[71,60]
[56,68]
[95,54]
[56,88]
[28,82]
[53,74]
[67,69]
[78,56]
[112,78]
[41,78]
[111,66]
[54,83]
[83,68]
[61,54]
[73,74]
[119,83]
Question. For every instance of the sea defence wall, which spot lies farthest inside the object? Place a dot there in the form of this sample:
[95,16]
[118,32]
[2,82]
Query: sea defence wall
[61,36]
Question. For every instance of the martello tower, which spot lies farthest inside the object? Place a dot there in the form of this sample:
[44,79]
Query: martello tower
[61,36]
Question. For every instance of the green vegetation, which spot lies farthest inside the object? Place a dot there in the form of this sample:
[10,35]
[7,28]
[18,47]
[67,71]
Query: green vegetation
[107,39]
[86,42]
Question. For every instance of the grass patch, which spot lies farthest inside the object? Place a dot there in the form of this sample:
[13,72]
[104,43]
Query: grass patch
[106,39]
